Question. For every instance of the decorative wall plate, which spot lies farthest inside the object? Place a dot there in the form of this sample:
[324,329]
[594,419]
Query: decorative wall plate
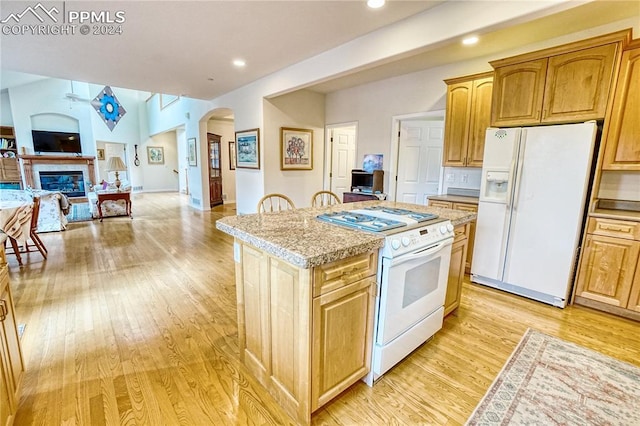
[108,107]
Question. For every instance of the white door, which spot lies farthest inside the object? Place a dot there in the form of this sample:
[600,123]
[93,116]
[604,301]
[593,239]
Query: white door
[343,158]
[419,160]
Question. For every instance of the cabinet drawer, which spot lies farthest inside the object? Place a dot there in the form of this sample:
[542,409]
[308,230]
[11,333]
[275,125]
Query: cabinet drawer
[460,232]
[440,204]
[465,207]
[334,275]
[614,228]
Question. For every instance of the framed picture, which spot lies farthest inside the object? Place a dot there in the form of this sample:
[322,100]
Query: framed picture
[296,149]
[192,154]
[248,149]
[232,155]
[155,154]
[100,154]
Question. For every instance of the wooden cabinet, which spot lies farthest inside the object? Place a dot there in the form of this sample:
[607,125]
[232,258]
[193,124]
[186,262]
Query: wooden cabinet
[471,233]
[622,131]
[609,265]
[305,334]
[517,93]
[11,363]
[456,269]
[215,170]
[467,118]
[564,84]
[9,165]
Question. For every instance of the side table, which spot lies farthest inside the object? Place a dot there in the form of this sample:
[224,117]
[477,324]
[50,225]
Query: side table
[114,196]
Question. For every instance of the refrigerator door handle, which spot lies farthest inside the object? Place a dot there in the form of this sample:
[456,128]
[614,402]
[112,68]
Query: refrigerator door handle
[516,193]
[510,183]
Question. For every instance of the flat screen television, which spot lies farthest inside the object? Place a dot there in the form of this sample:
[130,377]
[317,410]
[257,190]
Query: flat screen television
[46,141]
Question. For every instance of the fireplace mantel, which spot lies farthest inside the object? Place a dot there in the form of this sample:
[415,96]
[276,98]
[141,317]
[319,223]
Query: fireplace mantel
[29,160]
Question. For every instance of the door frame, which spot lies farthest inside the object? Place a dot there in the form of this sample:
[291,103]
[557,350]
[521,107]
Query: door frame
[328,160]
[394,151]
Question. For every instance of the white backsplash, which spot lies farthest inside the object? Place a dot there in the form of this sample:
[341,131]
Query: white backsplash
[461,177]
[620,186]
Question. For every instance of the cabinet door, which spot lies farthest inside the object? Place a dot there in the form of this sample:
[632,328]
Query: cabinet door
[10,353]
[479,120]
[517,93]
[456,276]
[6,406]
[440,204]
[456,131]
[634,299]
[472,233]
[342,333]
[578,84]
[622,134]
[607,269]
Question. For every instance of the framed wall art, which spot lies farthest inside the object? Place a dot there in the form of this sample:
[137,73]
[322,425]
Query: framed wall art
[192,155]
[248,149]
[232,155]
[155,155]
[100,155]
[296,149]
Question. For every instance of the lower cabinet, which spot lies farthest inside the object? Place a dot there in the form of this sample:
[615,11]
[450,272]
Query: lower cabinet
[11,363]
[305,334]
[456,269]
[471,235]
[609,274]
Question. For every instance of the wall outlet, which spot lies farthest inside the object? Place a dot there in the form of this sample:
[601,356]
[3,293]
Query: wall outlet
[451,177]
[464,178]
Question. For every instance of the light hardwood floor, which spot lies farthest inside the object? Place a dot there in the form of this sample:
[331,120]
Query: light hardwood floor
[134,322]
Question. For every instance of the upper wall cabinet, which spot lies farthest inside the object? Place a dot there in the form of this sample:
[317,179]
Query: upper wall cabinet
[467,118]
[622,131]
[563,84]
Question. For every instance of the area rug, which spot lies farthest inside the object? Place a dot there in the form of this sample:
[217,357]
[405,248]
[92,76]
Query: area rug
[79,212]
[548,381]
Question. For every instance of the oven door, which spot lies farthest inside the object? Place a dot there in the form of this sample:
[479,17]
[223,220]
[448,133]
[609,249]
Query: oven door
[412,286]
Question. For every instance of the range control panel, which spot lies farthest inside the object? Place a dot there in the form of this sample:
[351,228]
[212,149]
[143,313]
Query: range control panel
[413,240]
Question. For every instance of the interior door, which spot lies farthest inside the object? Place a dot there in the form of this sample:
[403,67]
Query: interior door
[343,158]
[419,160]
[215,170]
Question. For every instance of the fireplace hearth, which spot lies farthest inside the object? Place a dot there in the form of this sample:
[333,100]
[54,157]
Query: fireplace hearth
[70,183]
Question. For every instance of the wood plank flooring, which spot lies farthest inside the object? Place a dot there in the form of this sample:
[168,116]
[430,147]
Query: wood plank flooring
[133,322]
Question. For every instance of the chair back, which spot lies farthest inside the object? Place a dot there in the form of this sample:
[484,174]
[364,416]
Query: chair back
[35,213]
[324,198]
[275,203]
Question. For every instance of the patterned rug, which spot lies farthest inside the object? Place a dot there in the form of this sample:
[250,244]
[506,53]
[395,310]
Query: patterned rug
[548,381]
[79,213]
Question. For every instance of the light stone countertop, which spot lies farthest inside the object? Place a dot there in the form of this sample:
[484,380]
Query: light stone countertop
[297,237]
[454,198]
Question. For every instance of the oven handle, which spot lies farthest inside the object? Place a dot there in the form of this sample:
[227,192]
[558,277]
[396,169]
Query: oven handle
[424,253]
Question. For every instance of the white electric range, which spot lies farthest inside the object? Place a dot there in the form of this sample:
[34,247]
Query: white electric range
[412,278]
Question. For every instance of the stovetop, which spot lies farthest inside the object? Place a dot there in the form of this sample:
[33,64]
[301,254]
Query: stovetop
[377,218]
[353,219]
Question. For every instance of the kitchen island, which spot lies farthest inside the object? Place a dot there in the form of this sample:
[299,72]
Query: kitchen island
[306,291]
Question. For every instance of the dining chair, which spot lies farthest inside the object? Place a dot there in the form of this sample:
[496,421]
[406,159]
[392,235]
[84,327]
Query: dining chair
[324,199]
[275,203]
[33,236]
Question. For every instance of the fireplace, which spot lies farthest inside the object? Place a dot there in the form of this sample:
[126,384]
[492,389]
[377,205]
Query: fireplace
[70,183]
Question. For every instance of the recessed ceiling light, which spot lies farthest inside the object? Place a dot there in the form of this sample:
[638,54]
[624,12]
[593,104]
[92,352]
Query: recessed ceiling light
[375,4]
[470,40]
[239,63]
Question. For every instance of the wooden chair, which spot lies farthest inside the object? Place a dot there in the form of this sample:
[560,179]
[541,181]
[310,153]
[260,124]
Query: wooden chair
[275,203]
[324,199]
[33,236]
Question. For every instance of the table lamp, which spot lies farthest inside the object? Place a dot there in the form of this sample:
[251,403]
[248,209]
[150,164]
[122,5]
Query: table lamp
[115,164]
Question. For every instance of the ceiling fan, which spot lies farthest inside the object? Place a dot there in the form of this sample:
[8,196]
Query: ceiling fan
[76,98]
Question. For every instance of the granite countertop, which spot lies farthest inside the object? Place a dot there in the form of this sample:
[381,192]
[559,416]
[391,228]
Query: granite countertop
[454,198]
[297,237]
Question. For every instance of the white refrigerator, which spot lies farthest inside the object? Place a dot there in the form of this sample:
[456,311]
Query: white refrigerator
[531,209]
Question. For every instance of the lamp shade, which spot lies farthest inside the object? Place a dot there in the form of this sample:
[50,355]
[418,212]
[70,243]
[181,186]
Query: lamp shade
[115,164]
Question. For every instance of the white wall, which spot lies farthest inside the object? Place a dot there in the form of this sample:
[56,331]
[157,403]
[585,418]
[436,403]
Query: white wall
[160,177]
[301,109]
[224,128]
[5,110]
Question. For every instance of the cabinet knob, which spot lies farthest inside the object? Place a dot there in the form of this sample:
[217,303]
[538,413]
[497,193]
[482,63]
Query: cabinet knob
[3,310]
